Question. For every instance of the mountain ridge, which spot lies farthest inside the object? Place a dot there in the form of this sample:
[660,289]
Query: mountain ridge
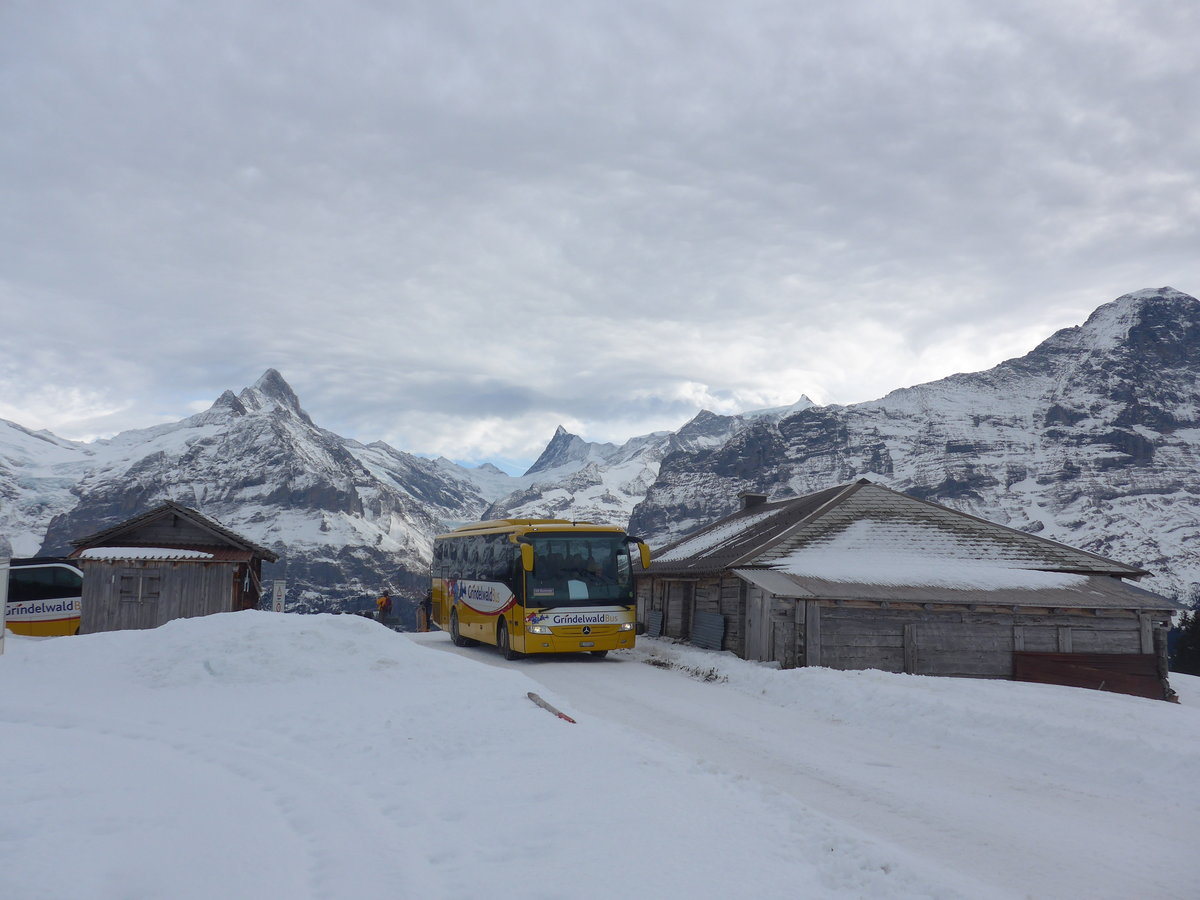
[1091,438]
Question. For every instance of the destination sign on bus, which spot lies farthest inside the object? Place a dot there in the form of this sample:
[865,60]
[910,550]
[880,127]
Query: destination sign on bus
[581,617]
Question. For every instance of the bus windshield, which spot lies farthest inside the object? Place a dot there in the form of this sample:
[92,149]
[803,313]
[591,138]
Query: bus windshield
[573,569]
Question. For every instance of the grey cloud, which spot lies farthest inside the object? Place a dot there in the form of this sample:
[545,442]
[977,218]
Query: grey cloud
[463,209]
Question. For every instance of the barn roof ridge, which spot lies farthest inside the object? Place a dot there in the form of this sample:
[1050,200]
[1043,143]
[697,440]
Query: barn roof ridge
[191,515]
[722,545]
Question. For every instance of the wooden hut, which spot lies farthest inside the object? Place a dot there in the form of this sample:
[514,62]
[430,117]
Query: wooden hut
[861,576]
[169,563]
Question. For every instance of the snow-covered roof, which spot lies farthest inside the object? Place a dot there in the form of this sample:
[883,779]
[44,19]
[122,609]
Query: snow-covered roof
[737,538]
[865,540]
[726,531]
[1011,588]
[167,553]
[895,551]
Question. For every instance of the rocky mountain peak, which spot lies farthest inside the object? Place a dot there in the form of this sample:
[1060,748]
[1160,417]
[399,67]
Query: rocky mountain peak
[1115,323]
[229,400]
[563,448]
[272,391]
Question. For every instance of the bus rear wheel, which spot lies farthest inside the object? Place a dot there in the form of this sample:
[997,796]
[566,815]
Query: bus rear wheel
[599,654]
[456,637]
[503,643]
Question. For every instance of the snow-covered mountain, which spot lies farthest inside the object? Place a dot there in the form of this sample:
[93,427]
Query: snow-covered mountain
[1092,439]
[597,482]
[347,519]
[37,474]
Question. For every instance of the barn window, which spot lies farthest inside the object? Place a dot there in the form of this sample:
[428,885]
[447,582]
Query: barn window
[140,585]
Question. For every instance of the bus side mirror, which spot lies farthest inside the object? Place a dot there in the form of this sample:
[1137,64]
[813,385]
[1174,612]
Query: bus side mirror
[527,557]
[644,551]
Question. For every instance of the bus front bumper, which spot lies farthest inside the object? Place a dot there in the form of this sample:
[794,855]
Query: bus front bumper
[578,643]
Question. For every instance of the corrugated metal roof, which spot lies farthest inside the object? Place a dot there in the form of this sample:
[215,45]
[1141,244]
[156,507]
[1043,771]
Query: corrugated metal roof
[213,554]
[172,553]
[773,582]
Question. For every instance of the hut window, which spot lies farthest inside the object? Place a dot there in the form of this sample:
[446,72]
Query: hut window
[140,585]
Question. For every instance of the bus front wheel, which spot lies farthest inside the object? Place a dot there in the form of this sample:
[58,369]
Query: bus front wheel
[455,635]
[503,643]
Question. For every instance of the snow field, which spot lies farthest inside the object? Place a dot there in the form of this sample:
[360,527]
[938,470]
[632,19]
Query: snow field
[252,754]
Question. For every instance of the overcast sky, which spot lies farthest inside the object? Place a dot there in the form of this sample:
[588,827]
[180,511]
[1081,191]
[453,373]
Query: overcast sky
[455,225]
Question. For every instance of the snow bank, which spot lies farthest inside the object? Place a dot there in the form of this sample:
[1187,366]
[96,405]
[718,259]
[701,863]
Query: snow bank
[258,755]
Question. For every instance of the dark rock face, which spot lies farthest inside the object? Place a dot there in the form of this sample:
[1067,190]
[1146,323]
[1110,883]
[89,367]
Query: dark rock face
[566,449]
[1089,439]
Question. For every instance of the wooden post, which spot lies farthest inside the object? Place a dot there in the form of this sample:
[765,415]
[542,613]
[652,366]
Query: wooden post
[910,649]
[1018,638]
[3,599]
[1147,629]
[812,633]
[1064,639]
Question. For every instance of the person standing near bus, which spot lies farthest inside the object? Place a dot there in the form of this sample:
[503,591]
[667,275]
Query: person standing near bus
[424,611]
[385,606]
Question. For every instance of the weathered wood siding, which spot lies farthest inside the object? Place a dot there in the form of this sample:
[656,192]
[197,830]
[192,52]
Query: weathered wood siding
[677,613]
[955,642]
[171,531]
[951,642]
[678,601]
[641,592]
[125,594]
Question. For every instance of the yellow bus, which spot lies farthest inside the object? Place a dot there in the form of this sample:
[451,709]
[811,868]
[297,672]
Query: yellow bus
[44,596]
[537,586]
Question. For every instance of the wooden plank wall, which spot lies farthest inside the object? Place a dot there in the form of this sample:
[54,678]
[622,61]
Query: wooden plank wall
[723,597]
[677,612]
[172,531]
[955,642]
[169,590]
[641,592]
[783,632]
[678,600]
[937,642]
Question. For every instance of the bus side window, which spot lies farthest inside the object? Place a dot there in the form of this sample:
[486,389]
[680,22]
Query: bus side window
[516,571]
[475,561]
[487,559]
[33,583]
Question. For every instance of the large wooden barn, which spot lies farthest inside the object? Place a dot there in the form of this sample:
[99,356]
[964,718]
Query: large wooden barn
[861,576]
[169,563]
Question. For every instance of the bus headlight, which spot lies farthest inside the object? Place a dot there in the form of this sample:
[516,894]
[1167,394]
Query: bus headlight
[538,629]
[626,626]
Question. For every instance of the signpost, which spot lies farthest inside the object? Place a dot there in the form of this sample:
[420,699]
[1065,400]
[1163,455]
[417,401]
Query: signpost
[277,596]
[3,599]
